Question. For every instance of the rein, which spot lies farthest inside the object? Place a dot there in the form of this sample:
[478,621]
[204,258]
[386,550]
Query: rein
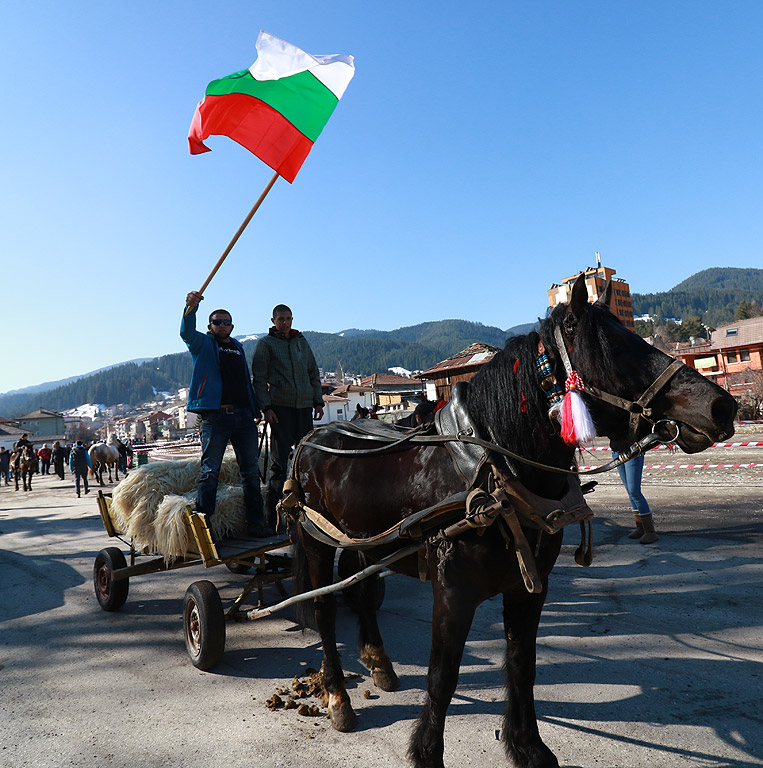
[465,436]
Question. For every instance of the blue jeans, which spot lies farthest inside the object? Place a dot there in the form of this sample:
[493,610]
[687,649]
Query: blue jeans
[238,427]
[630,473]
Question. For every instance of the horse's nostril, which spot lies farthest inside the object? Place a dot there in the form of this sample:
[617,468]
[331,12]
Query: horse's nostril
[723,411]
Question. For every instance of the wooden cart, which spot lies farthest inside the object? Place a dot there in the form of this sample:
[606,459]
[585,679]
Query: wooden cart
[203,614]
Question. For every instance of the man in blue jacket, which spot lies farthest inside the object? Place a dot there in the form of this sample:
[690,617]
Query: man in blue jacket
[221,393]
[79,463]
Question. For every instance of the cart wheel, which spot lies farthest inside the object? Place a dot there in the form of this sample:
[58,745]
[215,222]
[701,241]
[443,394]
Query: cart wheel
[238,567]
[349,563]
[111,594]
[204,624]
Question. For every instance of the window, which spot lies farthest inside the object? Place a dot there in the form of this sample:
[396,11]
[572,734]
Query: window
[339,414]
[731,357]
[732,331]
[744,355]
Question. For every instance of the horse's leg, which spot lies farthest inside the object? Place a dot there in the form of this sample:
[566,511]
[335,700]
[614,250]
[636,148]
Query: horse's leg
[370,645]
[523,744]
[451,620]
[321,571]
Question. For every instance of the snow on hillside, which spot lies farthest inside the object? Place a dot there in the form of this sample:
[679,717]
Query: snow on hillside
[86,411]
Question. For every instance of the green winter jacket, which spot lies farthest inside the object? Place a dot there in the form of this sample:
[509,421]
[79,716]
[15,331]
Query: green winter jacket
[284,372]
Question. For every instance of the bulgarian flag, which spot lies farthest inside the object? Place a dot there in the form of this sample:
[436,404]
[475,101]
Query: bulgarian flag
[276,108]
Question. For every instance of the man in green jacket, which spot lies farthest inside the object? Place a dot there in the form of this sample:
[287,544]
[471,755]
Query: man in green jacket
[288,388]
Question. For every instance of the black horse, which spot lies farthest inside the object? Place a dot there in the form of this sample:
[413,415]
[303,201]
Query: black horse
[631,388]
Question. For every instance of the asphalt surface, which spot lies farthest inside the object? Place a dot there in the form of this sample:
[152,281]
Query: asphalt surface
[651,657]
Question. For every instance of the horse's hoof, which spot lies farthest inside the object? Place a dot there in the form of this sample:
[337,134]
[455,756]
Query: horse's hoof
[535,756]
[342,715]
[386,679]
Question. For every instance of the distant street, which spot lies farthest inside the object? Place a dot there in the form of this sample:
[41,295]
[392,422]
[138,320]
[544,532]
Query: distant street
[651,657]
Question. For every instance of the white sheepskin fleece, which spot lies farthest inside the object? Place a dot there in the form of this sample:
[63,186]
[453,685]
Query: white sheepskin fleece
[148,505]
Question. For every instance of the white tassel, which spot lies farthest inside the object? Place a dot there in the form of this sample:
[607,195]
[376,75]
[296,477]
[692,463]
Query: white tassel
[584,426]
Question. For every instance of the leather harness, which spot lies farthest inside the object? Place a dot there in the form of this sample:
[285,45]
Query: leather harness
[489,496]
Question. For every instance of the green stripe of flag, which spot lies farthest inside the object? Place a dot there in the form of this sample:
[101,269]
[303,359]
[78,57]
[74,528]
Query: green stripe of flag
[302,99]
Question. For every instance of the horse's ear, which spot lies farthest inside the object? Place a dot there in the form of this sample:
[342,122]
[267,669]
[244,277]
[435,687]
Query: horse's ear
[606,297]
[579,297]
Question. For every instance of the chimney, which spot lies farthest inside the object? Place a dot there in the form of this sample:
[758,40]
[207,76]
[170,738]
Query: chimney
[598,260]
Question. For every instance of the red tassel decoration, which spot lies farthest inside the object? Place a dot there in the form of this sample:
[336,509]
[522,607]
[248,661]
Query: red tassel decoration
[577,425]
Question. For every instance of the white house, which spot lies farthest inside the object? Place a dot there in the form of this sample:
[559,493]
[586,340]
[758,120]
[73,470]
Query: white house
[335,408]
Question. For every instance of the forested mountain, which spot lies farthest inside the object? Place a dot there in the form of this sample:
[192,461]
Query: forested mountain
[365,352]
[415,347]
[723,279]
[713,295]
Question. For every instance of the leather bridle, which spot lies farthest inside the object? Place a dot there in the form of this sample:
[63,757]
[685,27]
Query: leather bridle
[638,409]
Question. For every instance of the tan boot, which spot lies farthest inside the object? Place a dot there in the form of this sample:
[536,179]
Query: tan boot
[649,536]
[639,531]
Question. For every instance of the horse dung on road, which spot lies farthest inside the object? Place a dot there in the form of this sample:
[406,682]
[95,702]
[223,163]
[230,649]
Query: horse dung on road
[630,388]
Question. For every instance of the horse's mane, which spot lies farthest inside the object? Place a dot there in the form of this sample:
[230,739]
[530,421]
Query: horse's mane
[505,397]
[507,403]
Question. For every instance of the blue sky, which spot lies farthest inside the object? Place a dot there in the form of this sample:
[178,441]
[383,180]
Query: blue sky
[482,152]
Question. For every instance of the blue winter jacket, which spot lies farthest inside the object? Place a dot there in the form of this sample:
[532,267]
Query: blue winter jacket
[206,382]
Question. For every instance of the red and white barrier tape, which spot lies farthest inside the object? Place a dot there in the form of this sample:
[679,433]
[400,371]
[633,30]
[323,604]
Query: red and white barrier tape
[714,445]
[690,466]
[151,447]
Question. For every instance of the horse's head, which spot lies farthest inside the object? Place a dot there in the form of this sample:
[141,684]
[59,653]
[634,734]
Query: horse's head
[632,387]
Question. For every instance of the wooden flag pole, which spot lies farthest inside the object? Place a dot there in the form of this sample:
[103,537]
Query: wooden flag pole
[237,235]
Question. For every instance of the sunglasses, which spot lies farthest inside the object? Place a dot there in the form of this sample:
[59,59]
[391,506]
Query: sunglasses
[221,322]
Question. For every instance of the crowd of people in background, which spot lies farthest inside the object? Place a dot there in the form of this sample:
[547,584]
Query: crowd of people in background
[53,459]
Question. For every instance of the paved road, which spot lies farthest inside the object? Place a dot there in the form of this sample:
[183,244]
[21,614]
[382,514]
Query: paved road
[652,657]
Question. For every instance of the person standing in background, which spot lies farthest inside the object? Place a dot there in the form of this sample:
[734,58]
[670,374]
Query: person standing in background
[58,457]
[5,465]
[44,455]
[630,474]
[79,463]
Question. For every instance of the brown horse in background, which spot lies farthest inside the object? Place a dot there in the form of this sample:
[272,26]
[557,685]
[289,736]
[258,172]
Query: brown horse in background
[25,463]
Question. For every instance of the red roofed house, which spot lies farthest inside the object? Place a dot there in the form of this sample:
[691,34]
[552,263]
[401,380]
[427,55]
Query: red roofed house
[733,359]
